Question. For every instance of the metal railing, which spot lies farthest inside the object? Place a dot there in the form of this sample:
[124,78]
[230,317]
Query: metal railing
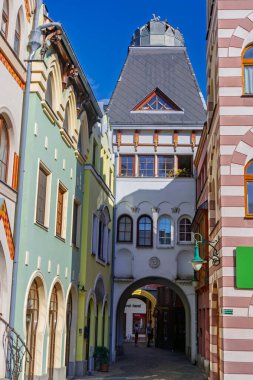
[15,350]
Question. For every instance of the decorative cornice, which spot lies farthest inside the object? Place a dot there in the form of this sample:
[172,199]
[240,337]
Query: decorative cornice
[12,71]
[27,11]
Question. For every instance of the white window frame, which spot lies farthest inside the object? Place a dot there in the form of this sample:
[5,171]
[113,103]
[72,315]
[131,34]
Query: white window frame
[171,245]
[183,242]
[94,234]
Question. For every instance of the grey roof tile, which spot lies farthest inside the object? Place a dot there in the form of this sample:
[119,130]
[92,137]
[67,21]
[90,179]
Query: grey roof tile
[170,70]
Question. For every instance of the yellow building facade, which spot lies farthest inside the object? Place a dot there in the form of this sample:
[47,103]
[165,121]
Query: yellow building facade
[96,248]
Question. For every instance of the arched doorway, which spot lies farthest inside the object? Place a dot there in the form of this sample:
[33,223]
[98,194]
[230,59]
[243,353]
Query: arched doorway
[56,319]
[179,294]
[91,322]
[32,318]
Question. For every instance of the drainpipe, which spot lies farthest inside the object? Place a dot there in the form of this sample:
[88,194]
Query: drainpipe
[34,44]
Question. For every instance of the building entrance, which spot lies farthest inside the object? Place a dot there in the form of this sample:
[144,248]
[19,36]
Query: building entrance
[161,303]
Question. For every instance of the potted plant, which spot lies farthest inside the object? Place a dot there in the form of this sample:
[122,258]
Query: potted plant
[101,355]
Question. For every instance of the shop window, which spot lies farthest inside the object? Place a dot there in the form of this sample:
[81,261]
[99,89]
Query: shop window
[165,166]
[144,231]
[247,62]
[5,19]
[164,230]
[146,166]
[185,230]
[125,229]
[248,186]
[184,166]
[127,166]
[4,150]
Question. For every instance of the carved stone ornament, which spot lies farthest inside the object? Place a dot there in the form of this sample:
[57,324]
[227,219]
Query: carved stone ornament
[154,262]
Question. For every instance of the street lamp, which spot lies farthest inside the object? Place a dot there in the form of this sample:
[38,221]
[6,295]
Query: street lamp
[197,261]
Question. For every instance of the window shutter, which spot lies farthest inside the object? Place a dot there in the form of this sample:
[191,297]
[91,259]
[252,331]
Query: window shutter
[15,172]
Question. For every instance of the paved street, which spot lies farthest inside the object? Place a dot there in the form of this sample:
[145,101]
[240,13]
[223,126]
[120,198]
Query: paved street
[151,363]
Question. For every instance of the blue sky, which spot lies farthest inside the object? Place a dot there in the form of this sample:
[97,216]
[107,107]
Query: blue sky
[100,32]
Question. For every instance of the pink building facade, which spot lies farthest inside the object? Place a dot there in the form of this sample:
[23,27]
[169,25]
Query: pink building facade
[230,214]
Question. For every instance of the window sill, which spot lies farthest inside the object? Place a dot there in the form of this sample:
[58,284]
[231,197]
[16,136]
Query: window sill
[165,246]
[124,242]
[185,243]
[145,246]
[60,238]
[248,217]
[41,226]
[101,262]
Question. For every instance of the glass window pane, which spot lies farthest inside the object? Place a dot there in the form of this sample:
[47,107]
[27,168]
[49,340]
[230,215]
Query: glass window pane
[250,197]
[249,53]
[250,169]
[248,79]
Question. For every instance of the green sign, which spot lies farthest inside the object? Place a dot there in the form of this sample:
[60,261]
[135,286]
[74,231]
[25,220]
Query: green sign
[228,311]
[244,267]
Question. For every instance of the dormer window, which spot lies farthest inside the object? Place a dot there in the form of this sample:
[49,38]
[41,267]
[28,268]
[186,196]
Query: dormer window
[156,101]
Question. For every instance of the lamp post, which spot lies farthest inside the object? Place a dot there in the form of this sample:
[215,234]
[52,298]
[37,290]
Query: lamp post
[197,261]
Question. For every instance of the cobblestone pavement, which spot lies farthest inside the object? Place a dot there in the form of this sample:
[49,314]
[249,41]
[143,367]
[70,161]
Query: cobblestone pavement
[152,364]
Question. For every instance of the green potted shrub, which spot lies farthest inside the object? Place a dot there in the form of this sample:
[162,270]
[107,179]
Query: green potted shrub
[101,356]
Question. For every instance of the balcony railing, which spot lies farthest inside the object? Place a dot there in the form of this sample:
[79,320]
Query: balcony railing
[14,349]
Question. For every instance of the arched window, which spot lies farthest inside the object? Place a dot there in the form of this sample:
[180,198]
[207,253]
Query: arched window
[164,230]
[49,91]
[185,230]
[248,186]
[17,36]
[247,61]
[5,19]
[145,231]
[67,118]
[125,229]
[4,150]
[53,316]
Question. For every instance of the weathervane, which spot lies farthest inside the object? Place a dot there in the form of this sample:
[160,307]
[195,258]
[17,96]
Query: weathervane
[155,18]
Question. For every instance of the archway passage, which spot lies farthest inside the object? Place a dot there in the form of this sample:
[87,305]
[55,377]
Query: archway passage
[170,318]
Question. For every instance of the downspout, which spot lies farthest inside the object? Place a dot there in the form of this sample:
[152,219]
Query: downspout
[34,44]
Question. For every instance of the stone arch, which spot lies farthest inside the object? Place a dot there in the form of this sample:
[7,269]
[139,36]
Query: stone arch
[239,36]
[242,153]
[190,342]
[90,296]
[12,140]
[42,318]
